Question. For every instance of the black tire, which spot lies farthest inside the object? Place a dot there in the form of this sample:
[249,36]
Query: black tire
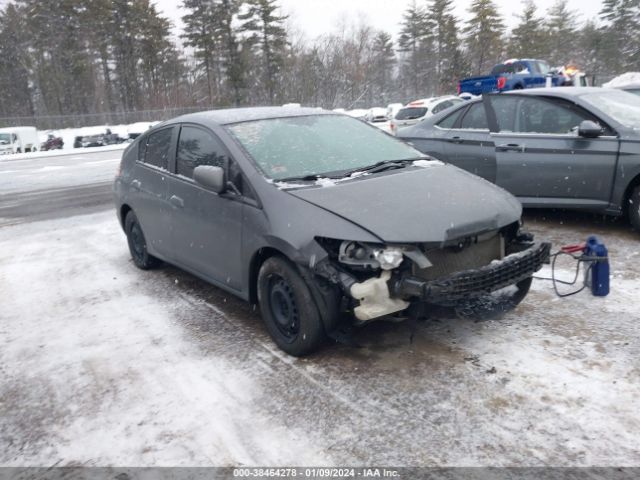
[634,208]
[138,244]
[288,308]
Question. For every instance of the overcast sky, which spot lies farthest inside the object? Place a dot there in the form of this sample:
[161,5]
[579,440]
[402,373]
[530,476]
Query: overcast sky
[315,17]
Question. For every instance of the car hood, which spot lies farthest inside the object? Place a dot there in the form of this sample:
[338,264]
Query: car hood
[433,204]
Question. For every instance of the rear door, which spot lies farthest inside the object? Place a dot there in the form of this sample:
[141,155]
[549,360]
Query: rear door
[540,156]
[148,189]
[207,227]
[468,143]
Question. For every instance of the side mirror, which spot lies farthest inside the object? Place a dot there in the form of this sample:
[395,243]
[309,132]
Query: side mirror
[589,129]
[210,177]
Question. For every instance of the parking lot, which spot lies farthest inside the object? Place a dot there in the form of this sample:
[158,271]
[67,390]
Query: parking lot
[104,364]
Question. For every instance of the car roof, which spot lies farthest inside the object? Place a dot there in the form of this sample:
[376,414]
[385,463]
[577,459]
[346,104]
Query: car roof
[429,101]
[237,115]
[564,92]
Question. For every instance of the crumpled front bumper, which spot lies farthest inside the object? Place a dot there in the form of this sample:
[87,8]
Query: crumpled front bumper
[471,284]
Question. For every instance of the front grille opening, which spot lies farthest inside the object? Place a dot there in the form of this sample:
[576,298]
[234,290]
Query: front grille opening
[473,253]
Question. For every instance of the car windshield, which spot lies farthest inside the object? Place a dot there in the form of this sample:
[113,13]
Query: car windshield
[411,113]
[635,91]
[317,145]
[5,138]
[622,106]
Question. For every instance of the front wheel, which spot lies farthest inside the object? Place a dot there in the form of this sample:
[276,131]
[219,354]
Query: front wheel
[634,208]
[288,308]
[138,244]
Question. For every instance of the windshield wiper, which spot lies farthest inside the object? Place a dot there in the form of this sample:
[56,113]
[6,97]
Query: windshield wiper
[383,165]
[303,178]
[375,168]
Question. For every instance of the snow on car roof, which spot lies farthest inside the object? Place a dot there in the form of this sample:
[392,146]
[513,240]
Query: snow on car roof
[236,115]
[629,79]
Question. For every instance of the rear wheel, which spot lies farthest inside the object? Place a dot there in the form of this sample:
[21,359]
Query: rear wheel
[288,308]
[634,208]
[138,244]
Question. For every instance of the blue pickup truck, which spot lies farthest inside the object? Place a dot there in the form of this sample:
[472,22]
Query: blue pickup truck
[512,75]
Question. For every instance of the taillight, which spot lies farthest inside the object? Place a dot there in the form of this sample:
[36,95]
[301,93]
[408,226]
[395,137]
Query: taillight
[502,81]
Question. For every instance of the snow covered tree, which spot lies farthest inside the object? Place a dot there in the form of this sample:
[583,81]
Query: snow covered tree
[484,35]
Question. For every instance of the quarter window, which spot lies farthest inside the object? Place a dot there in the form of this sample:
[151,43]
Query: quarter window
[442,106]
[475,118]
[155,150]
[450,120]
[197,147]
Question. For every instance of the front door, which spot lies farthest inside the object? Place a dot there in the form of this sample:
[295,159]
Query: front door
[207,227]
[540,157]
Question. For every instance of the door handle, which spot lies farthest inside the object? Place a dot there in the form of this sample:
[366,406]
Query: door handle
[135,184]
[456,140]
[176,202]
[510,147]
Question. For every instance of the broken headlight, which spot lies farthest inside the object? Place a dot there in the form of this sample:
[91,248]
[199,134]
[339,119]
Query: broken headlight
[370,256]
[389,258]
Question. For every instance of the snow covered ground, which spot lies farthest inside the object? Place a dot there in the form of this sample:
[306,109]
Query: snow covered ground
[69,134]
[103,364]
[49,170]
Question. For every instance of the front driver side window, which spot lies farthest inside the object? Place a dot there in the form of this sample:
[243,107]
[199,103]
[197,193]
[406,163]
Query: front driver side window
[197,147]
[538,115]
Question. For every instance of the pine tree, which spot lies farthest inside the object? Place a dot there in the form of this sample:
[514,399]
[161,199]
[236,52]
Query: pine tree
[622,28]
[561,34]
[483,35]
[527,39]
[232,50]
[268,34]
[412,42]
[200,33]
[443,33]
[16,97]
[156,53]
[381,66]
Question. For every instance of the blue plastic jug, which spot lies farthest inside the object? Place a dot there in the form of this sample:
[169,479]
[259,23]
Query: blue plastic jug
[599,268]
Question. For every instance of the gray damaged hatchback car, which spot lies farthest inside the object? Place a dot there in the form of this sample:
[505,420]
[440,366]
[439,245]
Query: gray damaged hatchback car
[321,219]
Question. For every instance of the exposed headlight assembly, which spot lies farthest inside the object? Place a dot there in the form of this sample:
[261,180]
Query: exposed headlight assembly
[370,256]
[389,258]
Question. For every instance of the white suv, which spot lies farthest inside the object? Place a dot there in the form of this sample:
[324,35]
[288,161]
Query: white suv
[417,110]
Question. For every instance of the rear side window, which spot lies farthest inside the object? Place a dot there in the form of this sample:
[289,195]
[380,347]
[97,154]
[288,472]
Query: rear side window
[155,149]
[475,118]
[505,69]
[411,113]
[198,147]
[442,106]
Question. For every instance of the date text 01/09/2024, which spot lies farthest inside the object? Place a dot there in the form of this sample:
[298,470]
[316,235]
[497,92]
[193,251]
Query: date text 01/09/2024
[315,472]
